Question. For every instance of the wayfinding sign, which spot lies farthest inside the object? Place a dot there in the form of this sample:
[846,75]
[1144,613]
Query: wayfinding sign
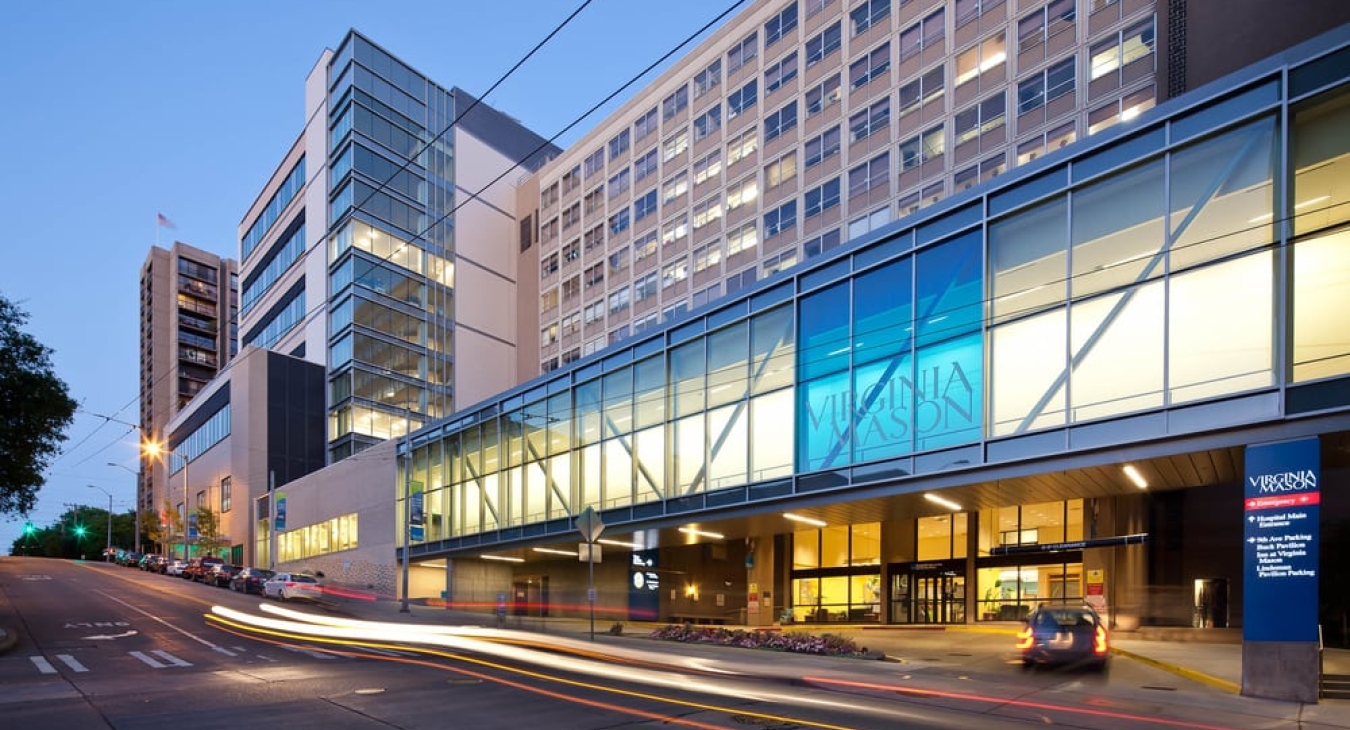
[1280,518]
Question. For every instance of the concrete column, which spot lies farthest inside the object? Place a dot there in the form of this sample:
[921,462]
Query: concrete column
[760,596]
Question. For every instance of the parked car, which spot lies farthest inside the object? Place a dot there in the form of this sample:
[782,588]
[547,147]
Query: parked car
[290,586]
[153,563]
[198,568]
[174,567]
[1064,635]
[220,575]
[250,580]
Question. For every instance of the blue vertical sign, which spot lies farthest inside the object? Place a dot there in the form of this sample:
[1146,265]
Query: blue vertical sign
[644,585]
[1280,518]
[280,521]
[416,531]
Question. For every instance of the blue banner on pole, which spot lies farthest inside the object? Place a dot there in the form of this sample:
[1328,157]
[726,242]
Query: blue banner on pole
[280,522]
[416,532]
[192,526]
[1280,518]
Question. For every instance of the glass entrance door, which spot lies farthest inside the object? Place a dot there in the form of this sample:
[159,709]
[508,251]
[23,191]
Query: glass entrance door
[939,598]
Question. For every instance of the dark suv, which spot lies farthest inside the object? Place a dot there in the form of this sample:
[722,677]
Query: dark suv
[1064,635]
[199,569]
[220,575]
[250,580]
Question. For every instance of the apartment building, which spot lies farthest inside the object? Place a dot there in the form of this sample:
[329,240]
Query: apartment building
[189,305]
[801,125]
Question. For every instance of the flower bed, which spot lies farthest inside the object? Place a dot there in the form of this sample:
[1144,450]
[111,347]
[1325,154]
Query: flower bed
[799,642]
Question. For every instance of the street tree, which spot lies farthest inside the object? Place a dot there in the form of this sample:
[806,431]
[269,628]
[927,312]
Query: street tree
[209,538]
[37,409]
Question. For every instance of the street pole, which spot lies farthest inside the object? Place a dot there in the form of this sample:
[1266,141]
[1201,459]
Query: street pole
[407,504]
[136,501]
[107,550]
[185,505]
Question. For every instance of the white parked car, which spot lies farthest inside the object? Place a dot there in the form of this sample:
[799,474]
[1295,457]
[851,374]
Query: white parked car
[174,568]
[288,586]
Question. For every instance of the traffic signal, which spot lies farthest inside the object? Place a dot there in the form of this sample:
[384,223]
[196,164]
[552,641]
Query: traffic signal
[79,531]
[28,529]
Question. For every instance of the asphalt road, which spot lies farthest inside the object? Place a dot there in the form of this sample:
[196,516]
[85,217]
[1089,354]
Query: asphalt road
[103,646]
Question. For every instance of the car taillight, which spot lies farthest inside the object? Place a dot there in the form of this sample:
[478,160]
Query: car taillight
[290,584]
[1025,638]
[1099,645]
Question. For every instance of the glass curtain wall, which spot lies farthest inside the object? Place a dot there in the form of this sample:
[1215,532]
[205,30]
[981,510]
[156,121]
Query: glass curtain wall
[1167,266]
[624,437]
[390,249]
[1321,254]
[1145,281]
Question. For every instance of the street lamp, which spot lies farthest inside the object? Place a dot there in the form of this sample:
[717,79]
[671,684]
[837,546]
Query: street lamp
[137,502]
[154,449]
[107,551]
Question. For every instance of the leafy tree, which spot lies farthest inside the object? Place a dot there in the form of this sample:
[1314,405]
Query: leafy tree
[153,532]
[209,539]
[36,408]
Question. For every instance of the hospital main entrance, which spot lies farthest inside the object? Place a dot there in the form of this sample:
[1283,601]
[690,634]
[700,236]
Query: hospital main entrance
[928,593]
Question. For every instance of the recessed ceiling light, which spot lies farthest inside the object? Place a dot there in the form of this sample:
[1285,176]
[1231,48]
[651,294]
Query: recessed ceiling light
[806,520]
[942,501]
[555,551]
[702,533]
[505,558]
[1135,476]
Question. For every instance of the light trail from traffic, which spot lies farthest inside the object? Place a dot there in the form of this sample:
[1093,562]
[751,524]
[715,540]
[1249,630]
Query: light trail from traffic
[394,636]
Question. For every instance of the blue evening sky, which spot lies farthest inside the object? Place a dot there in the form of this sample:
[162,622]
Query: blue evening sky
[119,111]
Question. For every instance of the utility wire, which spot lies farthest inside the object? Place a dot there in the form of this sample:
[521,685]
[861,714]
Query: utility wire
[233,321]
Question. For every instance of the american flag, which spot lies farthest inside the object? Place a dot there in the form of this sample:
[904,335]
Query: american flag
[164,221]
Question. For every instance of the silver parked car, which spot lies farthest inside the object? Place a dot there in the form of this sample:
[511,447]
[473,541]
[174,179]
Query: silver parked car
[289,586]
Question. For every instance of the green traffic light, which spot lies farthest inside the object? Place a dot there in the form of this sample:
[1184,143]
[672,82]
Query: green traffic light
[28,528]
[79,531]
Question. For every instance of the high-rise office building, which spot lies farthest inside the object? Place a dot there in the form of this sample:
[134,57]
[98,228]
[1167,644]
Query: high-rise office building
[189,301]
[800,125]
[379,255]
[377,243]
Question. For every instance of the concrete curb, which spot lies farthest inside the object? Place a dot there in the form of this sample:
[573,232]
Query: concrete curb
[1180,671]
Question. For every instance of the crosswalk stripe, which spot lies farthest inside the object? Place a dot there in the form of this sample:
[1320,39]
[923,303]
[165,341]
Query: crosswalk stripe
[166,656]
[72,662]
[153,664]
[224,651]
[315,654]
[43,665]
[386,652]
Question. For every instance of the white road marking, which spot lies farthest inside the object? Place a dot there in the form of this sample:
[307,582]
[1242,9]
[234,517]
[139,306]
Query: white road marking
[192,636]
[72,662]
[225,651]
[166,656]
[43,665]
[315,654]
[386,652]
[153,664]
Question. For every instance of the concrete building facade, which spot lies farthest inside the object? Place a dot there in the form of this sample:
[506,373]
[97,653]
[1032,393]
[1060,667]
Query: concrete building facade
[189,307]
